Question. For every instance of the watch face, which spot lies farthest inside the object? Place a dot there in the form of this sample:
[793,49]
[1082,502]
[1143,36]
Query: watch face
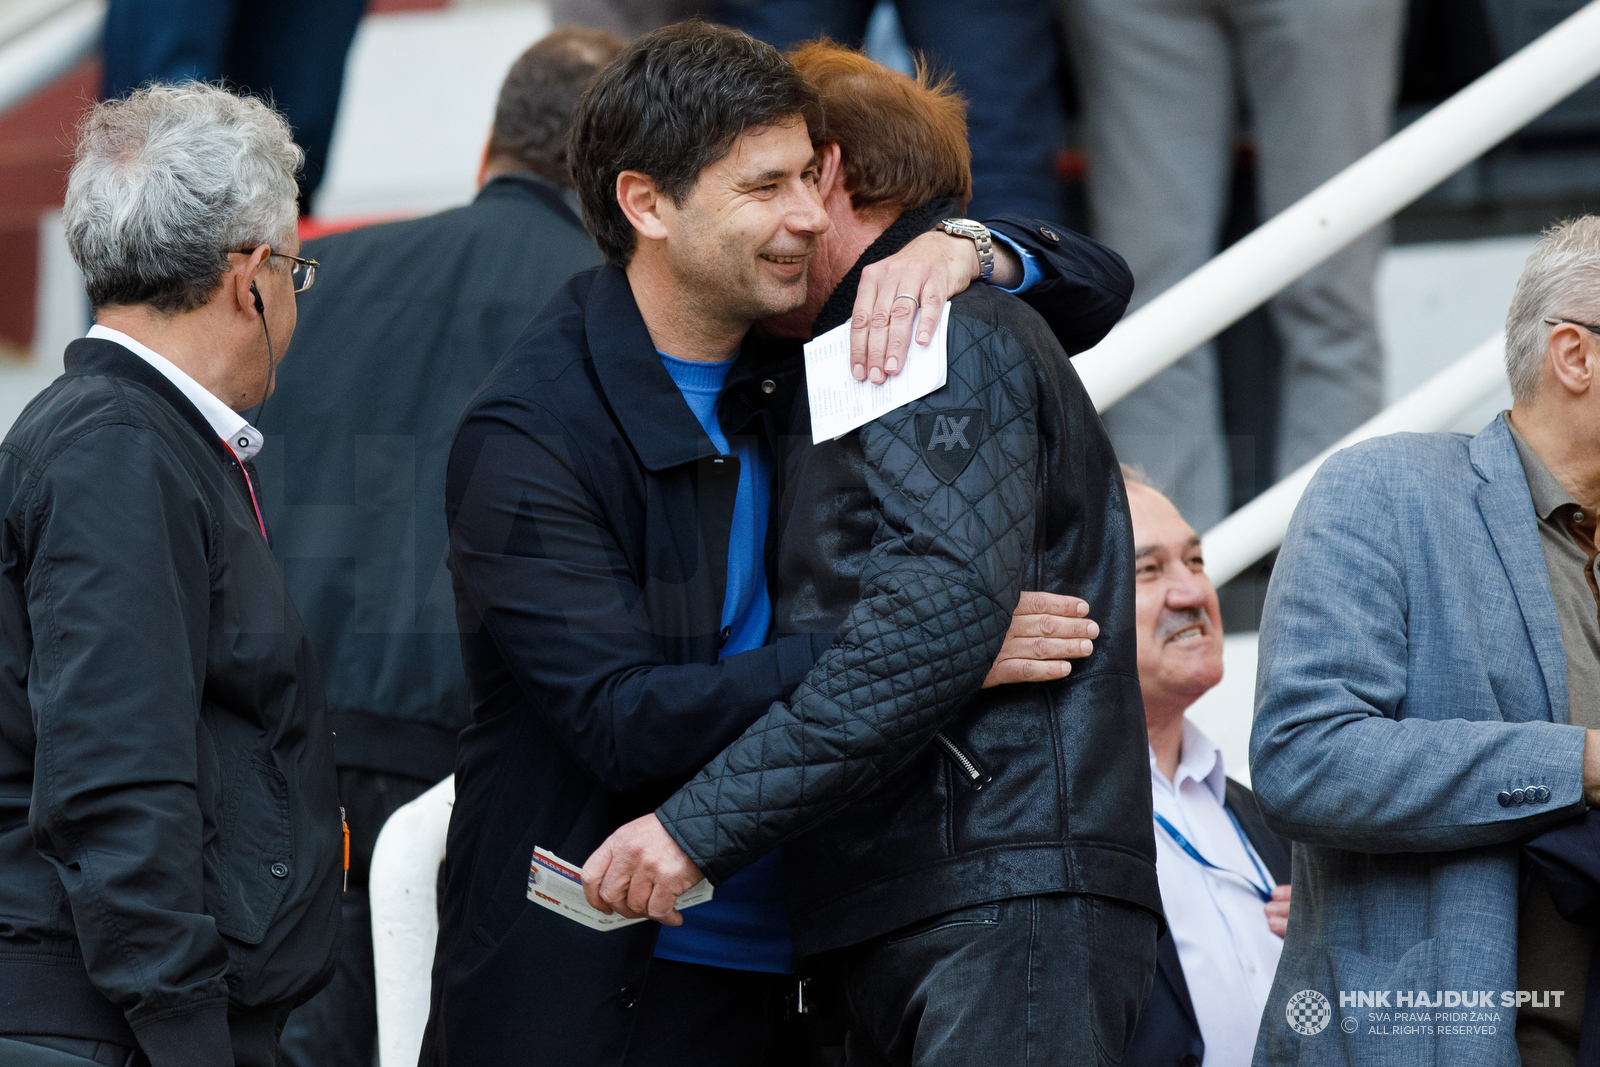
[964,222]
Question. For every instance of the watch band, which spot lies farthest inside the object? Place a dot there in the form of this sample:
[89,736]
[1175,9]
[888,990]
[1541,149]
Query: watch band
[978,234]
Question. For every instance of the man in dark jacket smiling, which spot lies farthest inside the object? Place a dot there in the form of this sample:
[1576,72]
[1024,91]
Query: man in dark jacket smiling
[977,866]
[169,824]
[608,496]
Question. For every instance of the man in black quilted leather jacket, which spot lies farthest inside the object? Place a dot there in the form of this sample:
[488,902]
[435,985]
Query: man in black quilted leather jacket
[975,867]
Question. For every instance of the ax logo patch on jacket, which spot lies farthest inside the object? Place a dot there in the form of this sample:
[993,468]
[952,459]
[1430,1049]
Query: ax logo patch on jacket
[949,440]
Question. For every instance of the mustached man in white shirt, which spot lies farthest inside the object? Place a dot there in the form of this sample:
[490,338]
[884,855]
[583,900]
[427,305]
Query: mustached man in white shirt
[1219,866]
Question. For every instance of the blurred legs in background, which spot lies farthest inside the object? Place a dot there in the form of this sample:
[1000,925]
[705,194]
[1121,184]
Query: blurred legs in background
[289,51]
[1005,57]
[1160,82]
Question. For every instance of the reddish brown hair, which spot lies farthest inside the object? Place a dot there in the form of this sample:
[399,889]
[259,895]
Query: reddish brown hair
[902,141]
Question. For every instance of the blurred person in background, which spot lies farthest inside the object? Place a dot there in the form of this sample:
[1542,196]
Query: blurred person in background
[1006,60]
[291,52]
[1428,699]
[1159,82]
[170,835]
[1224,875]
[408,319]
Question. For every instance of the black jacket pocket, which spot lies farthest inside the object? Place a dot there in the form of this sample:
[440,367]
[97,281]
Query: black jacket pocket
[248,865]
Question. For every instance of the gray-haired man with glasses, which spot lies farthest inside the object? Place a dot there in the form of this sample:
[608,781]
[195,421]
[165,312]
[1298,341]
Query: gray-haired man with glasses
[170,831]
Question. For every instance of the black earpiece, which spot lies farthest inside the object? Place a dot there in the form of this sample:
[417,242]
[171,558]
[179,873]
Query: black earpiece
[261,310]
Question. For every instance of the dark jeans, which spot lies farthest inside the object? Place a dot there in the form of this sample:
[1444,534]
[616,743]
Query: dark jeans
[339,1026]
[1006,59]
[1049,980]
[695,1016]
[291,51]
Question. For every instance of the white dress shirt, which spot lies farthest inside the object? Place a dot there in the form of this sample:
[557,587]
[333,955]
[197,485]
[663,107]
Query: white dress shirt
[1218,922]
[244,439]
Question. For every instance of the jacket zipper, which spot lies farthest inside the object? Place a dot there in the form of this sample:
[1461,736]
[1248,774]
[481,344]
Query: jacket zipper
[975,778]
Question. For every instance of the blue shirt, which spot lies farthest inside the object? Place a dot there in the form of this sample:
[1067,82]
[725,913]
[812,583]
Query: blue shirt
[745,926]
[1030,266]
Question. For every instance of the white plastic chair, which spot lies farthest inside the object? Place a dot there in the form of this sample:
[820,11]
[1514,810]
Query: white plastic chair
[403,887]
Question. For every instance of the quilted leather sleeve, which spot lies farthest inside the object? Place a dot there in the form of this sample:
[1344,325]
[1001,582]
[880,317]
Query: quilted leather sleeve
[953,481]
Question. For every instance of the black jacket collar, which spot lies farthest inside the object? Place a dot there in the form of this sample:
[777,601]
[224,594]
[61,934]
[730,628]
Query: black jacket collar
[97,356]
[525,184]
[647,403]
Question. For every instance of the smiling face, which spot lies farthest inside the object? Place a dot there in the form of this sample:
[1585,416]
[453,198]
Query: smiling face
[741,242]
[1178,618]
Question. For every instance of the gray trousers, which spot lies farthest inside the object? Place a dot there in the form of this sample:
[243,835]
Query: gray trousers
[1161,83]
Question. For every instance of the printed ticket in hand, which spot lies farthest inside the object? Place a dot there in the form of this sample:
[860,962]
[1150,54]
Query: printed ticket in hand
[839,403]
[558,885]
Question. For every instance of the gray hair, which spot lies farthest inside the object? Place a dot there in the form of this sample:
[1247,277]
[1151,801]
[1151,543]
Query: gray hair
[1560,280]
[166,182]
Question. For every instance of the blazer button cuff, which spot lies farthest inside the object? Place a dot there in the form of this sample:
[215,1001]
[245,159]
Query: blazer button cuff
[1505,799]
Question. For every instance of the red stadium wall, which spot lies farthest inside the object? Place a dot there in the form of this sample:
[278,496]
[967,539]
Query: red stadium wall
[35,153]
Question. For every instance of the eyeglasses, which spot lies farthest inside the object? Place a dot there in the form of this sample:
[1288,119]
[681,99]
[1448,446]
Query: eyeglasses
[1553,321]
[303,272]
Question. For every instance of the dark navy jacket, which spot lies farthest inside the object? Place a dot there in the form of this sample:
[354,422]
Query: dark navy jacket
[589,516]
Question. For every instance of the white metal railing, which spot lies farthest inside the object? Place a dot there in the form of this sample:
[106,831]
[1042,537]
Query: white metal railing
[19,16]
[1258,527]
[402,887]
[40,55]
[1365,194]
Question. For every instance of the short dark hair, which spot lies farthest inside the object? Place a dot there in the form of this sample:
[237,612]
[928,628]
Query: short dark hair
[670,107]
[537,99]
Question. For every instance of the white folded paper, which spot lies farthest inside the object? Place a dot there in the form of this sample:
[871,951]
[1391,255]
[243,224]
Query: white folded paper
[558,885]
[839,403]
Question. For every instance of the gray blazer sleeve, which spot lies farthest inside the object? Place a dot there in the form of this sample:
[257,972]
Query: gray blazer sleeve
[1333,759]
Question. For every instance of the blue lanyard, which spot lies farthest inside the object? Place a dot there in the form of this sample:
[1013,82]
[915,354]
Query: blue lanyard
[1194,854]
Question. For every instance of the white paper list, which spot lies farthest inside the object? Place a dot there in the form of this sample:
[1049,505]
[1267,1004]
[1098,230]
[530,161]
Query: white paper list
[839,403]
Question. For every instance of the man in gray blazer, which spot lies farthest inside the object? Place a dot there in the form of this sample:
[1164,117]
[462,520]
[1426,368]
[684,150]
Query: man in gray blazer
[1427,698]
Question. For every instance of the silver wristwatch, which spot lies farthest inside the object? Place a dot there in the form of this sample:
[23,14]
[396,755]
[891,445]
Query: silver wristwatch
[979,234]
